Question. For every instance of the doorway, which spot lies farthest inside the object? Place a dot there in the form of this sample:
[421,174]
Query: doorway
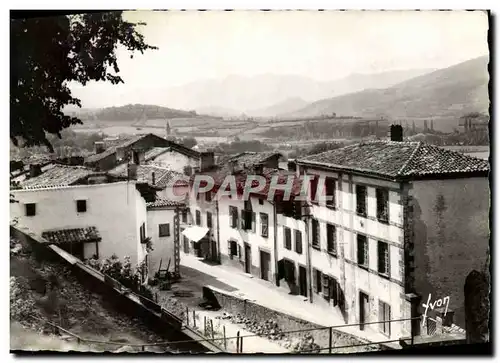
[265,262]
[248,258]
[363,309]
[302,281]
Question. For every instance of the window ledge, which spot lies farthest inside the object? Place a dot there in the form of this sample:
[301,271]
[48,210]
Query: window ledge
[364,267]
[318,248]
[332,253]
[385,276]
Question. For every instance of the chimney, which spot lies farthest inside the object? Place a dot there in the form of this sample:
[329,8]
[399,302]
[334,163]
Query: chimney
[207,160]
[396,133]
[98,147]
[153,180]
[132,172]
[35,170]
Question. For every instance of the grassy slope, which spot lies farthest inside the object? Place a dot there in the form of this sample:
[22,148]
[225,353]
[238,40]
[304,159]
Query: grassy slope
[444,94]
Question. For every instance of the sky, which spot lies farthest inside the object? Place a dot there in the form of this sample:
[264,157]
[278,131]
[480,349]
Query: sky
[323,46]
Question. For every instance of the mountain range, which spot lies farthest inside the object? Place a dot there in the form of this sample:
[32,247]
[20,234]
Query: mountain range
[448,92]
[264,95]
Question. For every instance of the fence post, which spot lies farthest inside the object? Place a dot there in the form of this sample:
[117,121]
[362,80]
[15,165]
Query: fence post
[330,340]
[205,325]
[194,318]
[187,316]
[238,342]
[212,330]
[143,348]
[241,344]
[224,335]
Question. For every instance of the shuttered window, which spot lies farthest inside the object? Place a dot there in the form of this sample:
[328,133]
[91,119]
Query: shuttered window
[253,222]
[362,251]
[314,187]
[382,205]
[325,282]
[330,192]
[198,218]
[317,281]
[264,222]
[361,200]
[164,230]
[298,241]
[233,217]
[315,233]
[287,233]
[383,258]
[209,219]
[384,315]
[331,239]
[232,248]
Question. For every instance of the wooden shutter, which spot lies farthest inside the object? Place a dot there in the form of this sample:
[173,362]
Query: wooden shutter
[314,187]
[325,281]
[334,291]
[242,223]
[253,222]
[298,242]
[264,222]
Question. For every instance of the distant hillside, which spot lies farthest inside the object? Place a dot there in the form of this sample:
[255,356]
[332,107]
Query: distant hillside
[283,107]
[449,92]
[139,112]
[217,111]
[247,94]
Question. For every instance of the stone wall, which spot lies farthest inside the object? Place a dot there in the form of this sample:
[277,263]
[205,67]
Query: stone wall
[236,305]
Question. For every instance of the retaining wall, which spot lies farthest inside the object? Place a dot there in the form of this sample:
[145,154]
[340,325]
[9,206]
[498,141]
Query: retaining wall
[254,311]
[153,315]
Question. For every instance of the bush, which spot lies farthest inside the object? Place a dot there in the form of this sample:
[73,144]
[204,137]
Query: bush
[22,306]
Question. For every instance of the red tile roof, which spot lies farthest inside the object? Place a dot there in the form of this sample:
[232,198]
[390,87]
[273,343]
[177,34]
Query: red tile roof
[162,203]
[398,160]
[57,175]
[163,177]
[74,235]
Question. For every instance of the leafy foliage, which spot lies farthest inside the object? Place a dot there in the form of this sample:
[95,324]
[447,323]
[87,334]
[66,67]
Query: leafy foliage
[47,53]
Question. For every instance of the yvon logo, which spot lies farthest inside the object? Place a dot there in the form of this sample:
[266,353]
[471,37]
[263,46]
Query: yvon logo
[438,303]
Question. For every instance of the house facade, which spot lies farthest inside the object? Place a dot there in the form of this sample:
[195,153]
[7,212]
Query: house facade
[163,217]
[106,218]
[403,224]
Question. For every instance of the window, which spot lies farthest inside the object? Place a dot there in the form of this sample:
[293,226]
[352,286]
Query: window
[326,287]
[246,219]
[198,218]
[264,222]
[208,196]
[317,281]
[233,249]
[298,241]
[289,271]
[382,205]
[362,250]
[314,187]
[315,233]
[30,209]
[164,230]
[330,192]
[81,206]
[331,239]
[335,291]
[209,219]
[383,258]
[384,315]
[142,232]
[253,222]
[233,216]
[261,201]
[184,216]
[361,200]
[287,233]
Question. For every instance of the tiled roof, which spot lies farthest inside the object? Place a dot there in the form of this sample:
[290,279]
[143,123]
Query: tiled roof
[251,158]
[111,150]
[74,235]
[163,177]
[154,152]
[58,175]
[162,202]
[398,160]
[219,175]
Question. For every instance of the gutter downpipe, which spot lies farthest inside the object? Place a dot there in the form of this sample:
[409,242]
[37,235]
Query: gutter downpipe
[276,268]
[308,249]
[218,231]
